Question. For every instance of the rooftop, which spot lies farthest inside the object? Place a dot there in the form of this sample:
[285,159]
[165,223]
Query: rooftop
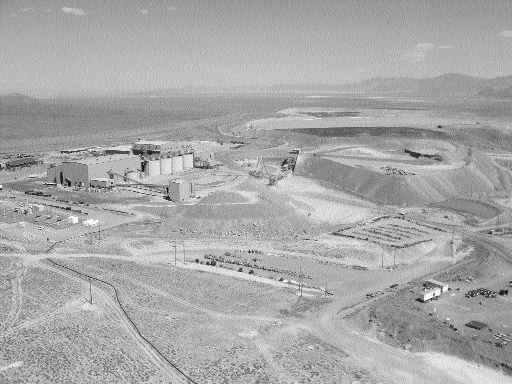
[435,282]
[102,159]
[126,147]
[150,142]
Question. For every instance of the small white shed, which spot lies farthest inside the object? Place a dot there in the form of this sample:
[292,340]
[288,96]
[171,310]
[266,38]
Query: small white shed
[72,219]
[429,294]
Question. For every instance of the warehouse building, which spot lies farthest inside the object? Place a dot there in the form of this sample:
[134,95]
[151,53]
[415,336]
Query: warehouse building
[119,150]
[81,172]
[152,147]
[21,162]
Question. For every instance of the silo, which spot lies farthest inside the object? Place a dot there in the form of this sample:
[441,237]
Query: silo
[178,164]
[165,165]
[153,167]
[173,162]
[188,161]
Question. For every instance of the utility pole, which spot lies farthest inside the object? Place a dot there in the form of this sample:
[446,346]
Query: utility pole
[175,254]
[90,290]
[453,246]
[99,231]
[300,282]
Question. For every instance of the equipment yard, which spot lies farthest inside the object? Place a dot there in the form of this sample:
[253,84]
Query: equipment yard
[394,232]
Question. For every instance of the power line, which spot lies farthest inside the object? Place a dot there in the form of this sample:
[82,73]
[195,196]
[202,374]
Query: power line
[189,379]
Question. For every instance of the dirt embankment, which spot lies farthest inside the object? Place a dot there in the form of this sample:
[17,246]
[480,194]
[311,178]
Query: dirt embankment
[481,177]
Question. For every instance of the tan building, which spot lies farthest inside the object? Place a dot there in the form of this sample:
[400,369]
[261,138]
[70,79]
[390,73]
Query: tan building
[81,172]
[180,190]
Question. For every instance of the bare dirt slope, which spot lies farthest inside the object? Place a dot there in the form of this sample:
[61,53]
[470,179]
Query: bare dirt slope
[481,177]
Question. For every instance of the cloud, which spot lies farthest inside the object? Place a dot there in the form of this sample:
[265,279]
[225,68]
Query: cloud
[420,52]
[171,8]
[26,9]
[506,33]
[144,11]
[48,10]
[73,11]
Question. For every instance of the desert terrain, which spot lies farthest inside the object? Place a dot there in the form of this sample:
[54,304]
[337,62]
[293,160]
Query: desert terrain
[301,259]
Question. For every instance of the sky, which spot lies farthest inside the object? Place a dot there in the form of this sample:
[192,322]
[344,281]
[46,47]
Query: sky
[114,45]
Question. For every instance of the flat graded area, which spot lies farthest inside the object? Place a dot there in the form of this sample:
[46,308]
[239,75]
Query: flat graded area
[392,232]
[475,208]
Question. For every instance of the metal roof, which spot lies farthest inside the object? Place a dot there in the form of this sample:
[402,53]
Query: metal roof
[102,159]
[150,142]
[119,148]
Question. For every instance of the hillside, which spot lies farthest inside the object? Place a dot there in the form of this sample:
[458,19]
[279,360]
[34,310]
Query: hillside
[450,84]
[481,177]
[17,99]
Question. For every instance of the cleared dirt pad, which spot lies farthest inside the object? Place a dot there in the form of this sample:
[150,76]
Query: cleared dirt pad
[476,208]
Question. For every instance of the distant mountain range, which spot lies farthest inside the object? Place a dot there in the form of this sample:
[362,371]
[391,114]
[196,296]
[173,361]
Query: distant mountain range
[450,84]
[447,85]
[17,99]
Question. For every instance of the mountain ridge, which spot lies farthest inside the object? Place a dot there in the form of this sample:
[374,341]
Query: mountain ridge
[445,85]
[448,84]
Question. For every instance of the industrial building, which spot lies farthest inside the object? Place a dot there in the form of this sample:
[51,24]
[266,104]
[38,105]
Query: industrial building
[119,150]
[73,150]
[152,147]
[180,190]
[102,182]
[81,172]
[21,162]
[203,160]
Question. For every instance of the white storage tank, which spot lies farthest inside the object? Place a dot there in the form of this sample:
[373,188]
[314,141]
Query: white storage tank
[178,164]
[165,165]
[188,161]
[152,168]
